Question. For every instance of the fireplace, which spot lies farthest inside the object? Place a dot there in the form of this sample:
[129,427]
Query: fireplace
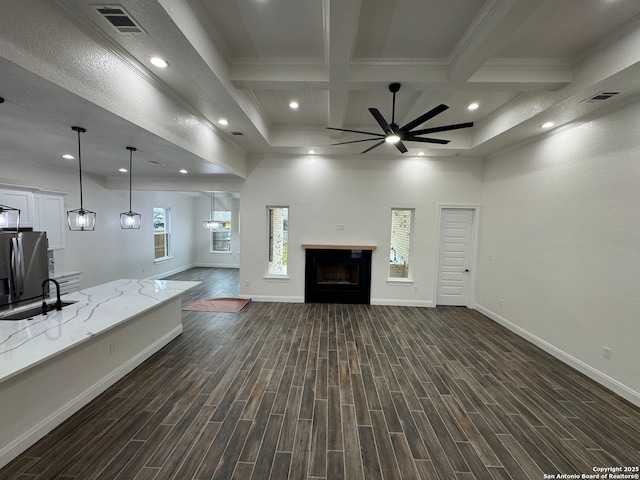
[338,275]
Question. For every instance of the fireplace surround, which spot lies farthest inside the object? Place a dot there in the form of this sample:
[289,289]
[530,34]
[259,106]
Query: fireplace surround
[338,274]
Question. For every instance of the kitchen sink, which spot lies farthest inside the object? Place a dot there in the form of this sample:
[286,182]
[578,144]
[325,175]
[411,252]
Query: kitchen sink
[30,312]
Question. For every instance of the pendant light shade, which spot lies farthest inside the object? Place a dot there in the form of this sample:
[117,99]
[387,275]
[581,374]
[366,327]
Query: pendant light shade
[80,219]
[9,219]
[130,220]
[210,224]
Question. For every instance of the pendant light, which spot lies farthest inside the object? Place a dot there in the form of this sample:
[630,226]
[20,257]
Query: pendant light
[81,220]
[210,224]
[9,219]
[130,220]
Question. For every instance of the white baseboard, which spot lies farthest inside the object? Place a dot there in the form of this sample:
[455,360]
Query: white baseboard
[596,375]
[271,298]
[374,301]
[216,265]
[29,438]
[402,303]
[170,272]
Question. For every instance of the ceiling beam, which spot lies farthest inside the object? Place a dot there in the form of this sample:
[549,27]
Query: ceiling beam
[341,27]
[493,26]
[614,65]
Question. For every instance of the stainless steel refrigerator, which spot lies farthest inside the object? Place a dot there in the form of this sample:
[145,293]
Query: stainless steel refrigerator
[23,267]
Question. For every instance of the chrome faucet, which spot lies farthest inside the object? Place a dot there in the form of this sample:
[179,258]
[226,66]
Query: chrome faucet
[58,300]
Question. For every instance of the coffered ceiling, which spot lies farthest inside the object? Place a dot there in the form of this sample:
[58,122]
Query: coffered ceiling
[524,62]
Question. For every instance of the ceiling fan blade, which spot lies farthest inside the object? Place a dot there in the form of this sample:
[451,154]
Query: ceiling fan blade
[423,118]
[381,121]
[444,128]
[427,140]
[400,146]
[374,146]
[355,131]
[356,141]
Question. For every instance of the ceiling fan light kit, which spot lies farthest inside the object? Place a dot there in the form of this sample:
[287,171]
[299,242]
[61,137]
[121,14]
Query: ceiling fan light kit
[396,135]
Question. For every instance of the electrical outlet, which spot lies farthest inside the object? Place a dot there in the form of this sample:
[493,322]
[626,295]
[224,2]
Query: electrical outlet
[112,348]
[247,283]
[501,302]
[340,226]
[142,269]
[606,352]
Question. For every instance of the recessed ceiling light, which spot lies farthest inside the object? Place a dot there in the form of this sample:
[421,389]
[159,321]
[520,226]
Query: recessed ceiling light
[123,170]
[547,125]
[293,105]
[182,170]
[68,156]
[159,62]
[223,121]
[311,151]
[421,153]
[473,106]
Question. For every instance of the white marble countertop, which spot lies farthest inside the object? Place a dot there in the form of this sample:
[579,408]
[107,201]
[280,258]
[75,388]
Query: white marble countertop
[25,343]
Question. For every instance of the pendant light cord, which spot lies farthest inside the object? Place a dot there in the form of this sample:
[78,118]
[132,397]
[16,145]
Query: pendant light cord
[211,218]
[131,150]
[80,130]
[130,176]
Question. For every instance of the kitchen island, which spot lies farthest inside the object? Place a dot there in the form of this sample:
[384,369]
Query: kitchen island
[52,365]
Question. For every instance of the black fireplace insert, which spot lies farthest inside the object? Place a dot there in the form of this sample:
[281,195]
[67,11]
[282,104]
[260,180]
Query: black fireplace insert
[338,276]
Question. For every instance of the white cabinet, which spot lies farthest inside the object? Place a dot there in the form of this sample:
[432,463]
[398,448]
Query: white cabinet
[51,217]
[69,282]
[41,210]
[22,200]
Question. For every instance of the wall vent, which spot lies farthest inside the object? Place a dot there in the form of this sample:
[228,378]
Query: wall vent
[157,162]
[600,97]
[118,17]
[236,133]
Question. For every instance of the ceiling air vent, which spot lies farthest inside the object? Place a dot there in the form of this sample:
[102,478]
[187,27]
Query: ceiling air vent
[236,133]
[600,97]
[157,162]
[120,19]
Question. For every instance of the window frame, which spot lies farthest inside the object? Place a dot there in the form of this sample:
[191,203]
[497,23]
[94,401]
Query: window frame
[228,231]
[270,243]
[408,278]
[166,233]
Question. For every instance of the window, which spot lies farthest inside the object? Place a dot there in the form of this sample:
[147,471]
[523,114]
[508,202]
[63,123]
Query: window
[221,234]
[278,218]
[161,233]
[400,251]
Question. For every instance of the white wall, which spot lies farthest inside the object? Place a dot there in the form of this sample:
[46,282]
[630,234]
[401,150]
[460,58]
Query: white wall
[109,252]
[559,234]
[560,245]
[356,192]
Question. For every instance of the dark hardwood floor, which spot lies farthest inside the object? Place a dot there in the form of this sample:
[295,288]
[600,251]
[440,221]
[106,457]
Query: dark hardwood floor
[324,391]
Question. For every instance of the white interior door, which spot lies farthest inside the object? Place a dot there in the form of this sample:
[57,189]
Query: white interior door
[455,256]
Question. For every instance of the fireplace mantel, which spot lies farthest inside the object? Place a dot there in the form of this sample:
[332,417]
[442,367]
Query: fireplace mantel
[315,246]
